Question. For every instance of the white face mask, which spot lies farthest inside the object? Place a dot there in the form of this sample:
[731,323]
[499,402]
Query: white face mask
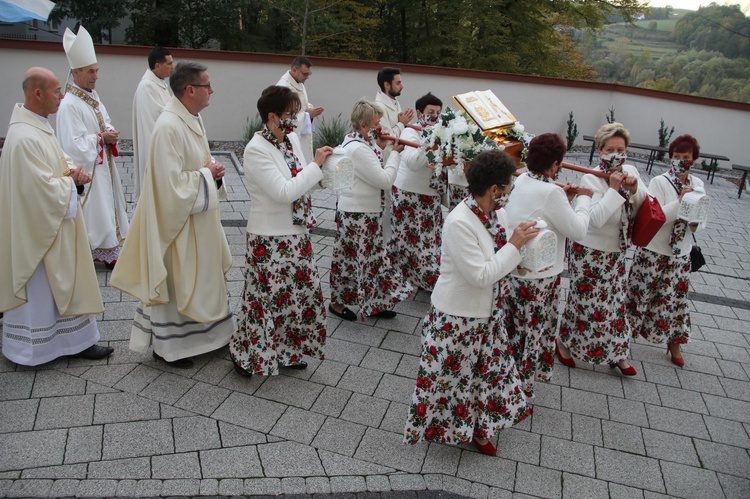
[426,120]
[612,161]
[681,165]
[372,134]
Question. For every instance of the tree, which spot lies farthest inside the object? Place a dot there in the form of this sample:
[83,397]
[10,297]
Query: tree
[99,17]
[722,28]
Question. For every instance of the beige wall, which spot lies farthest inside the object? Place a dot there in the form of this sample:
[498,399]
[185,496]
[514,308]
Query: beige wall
[336,85]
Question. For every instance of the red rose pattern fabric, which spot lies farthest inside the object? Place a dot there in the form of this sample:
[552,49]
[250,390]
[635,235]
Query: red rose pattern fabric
[530,315]
[658,297]
[361,273]
[456,194]
[282,316]
[594,326]
[414,247]
[467,386]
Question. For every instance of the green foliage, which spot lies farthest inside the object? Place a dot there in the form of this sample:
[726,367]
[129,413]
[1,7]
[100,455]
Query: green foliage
[610,116]
[665,135]
[572,132]
[722,28]
[97,16]
[252,126]
[330,132]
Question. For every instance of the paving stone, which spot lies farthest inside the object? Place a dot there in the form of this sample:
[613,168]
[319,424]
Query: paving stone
[236,462]
[64,412]
[454,485]
[723,458]
[214,371]
[586,403]
[479,491]
[551,422]
[627,411]
[592,381]
[628,469]
[547,395]
[408,366]
[403,323]
[407,482]
[249,412]
[84,444]
[148,488]
[137,379]
[236,436]
[126,488]
[298,425]
[377,483]
[394,418]
[30,488]
[734,487]
[346,352]
[685,400]
[18,415]
[365,410]
[381,360]
[642,391]
[623,437]
[587,430]
[360,380]
[181,466]
[733,370]
[541,482]
[731,352]
[670,447]
[231,487]
[704,383]
[285,459]
[53,383]
[328,372]
[293,485]
[676,421]
[331,401]
[395,388]
[64,488]
[134,468]
[337,465]
[94,388]
[516,445]
[167,388]
[341,484]
[203,398]
[569,456]
[664,375]
[617,491]
[727,432]
[290,391]
[402,343]
[124,407]
[97,488]
[357,332]
[487,470]
[170,411]
[443,459]
[576,486]
[688,481]
[387,449]
[263,486]
[32,449]
[141,438]
[108,375]
[318,485]
[56,472]
[185,488]
[210,487]
[736,389]
[339,436]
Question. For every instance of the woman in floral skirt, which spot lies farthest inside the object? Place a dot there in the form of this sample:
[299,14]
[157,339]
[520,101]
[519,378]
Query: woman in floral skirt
[530,307]
[416,211]
[467,386]
[660,274]
[594,327]
[282,316]
[361,273]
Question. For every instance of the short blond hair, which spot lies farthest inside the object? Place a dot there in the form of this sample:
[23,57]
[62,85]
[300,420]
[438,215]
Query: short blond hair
[608,131]
[364,112]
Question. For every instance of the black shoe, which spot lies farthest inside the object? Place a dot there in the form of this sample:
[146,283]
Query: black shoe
[298,366]
[178,364]
[241,370]
[385,314]
[347,314]
[94,352]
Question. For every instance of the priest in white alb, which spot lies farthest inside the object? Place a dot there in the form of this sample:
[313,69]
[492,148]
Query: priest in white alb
[176,257]
[48,289]
[151,96]
[295,79]
[87,135]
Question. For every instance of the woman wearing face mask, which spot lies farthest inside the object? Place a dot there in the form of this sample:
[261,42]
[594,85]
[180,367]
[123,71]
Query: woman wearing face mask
[361,273]
[467,385]
[660,274]
[530,307]
[282,316]
[416,213]
[594,327]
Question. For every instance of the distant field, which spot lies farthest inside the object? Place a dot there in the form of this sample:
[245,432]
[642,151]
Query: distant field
[661,25]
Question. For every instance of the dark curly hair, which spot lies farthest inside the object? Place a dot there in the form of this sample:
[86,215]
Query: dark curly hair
[489,168]
[685,143]
[543,151]
[276,99]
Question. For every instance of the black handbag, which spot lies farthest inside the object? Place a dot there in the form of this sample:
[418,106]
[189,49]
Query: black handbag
[696,257]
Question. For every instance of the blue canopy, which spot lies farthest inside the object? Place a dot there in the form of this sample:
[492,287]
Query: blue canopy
[13,11]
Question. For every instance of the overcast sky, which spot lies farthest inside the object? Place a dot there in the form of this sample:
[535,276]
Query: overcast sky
[694,4]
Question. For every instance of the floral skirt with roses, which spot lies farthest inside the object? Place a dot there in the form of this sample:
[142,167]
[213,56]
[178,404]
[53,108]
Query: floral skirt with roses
[467,384]
[361,273]
[414,247]
[594,326]
[456,194]
[657,297]
[530,312]
[282,316]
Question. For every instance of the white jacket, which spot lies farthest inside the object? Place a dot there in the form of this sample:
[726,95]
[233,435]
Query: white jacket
[469,266]
[661,188]
[532,199]
[369,178]
[413,173]
[272,189]
[391,107]
[606,207]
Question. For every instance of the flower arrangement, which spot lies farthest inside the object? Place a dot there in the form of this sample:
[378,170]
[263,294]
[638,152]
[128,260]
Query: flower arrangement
[516,132]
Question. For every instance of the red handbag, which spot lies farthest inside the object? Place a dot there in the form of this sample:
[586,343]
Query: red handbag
[648,221]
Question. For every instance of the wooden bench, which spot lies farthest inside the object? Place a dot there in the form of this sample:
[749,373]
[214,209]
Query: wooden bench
[744,170]
[653,151]
[713,165]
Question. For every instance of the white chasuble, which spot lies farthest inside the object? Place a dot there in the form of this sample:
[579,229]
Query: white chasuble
[150,98]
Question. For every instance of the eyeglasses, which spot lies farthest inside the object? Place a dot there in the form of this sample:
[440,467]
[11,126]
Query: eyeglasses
[306,74]
[207,85]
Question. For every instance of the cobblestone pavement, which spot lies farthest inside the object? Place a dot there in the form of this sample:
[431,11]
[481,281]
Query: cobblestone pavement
[129,426]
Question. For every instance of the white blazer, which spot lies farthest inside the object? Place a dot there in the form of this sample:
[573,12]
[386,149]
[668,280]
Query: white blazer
[272,189]
[469,266]
[413,173]
[661,188]
[369,178]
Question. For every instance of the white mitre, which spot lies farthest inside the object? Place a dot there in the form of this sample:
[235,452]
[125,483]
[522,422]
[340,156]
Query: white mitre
[79,48]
